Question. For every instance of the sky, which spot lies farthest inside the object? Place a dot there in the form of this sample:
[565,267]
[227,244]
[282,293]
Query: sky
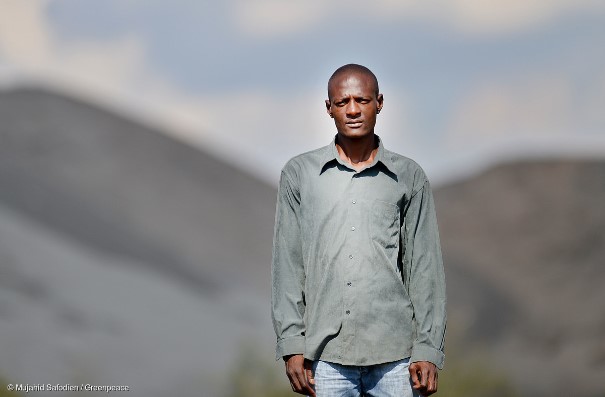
[467,83]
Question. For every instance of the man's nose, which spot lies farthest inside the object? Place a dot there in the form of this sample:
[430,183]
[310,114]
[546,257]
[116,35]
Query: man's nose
[353,109]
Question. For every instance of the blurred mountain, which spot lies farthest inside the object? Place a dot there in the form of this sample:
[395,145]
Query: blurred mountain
[524,245]
[127,257]
[126,242]
[120,187]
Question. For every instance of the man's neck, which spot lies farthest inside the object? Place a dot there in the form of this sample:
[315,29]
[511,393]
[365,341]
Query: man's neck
[357,152]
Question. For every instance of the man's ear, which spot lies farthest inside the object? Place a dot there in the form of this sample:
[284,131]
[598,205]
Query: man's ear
[328,106]
[380,100]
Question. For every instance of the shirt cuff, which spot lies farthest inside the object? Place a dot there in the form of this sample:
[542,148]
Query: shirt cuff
[290,345]
[427,353]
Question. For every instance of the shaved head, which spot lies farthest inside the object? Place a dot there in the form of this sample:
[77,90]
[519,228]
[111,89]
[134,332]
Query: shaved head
[351,68]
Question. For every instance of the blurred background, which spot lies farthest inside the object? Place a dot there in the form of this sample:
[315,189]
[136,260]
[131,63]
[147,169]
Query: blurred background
[141,144]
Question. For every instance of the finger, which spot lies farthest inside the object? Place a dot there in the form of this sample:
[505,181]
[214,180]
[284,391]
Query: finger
[294,377]
[305,388]
[424,376]
[300,379]
[310,391]
[421,375]
[431,382]
[292,370]
[294,382]
[309,373]
[414,374]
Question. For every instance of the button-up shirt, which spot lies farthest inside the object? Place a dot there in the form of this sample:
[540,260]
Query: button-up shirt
[357,274]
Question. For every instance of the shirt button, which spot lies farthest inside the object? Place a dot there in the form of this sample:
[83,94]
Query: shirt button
[353,228]
[350,256]
[348,312]
[353,201]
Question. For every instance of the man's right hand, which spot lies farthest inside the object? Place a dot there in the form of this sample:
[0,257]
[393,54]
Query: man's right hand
[300,374]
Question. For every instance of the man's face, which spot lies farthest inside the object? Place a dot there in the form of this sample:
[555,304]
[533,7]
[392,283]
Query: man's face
[353,104]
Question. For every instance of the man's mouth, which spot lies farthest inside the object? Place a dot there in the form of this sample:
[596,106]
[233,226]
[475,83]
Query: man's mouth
[354,124]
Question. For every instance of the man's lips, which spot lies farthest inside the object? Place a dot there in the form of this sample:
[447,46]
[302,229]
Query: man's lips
[354,124]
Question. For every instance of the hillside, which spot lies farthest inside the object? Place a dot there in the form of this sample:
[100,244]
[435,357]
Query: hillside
[111,183]
[120,245]
[524,245]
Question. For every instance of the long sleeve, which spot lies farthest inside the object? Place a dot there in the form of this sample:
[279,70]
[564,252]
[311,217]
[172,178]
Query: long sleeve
[287,272]
[424,275]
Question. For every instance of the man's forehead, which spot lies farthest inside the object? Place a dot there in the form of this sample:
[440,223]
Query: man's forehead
[351,79]
[350,76]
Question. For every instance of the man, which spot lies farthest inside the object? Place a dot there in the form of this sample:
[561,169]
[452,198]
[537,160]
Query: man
[358,297]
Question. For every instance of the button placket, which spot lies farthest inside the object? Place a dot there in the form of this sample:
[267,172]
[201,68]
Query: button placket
[351,264]
[354,217]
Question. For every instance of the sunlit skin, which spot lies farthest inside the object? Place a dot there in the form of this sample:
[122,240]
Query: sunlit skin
[354,103]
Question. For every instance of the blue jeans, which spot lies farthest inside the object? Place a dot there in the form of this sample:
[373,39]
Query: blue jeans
[381,380]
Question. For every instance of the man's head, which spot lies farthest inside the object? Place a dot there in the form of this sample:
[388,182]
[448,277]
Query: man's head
[354,100]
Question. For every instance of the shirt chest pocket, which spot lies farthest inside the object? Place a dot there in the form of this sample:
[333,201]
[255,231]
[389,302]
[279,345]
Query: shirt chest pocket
[384,223]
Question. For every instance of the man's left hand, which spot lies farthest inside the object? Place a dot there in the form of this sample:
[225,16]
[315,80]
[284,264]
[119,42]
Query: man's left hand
[424,377]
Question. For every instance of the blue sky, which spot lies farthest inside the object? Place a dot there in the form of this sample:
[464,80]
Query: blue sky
[466,83]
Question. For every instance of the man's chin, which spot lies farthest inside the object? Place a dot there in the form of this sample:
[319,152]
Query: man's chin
[355,133]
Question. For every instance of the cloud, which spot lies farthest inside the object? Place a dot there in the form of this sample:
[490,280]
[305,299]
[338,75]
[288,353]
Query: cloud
[262,131]
[274,18]
[533,115]
[536,106]
[30,50]
[24,34]
[542,105]
[112,72]
[495,17]
[510,16]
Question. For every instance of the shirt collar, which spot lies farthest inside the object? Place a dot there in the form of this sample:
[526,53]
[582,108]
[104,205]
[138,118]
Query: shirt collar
[331,153]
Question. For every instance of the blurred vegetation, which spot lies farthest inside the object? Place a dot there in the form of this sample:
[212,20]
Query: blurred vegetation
[4,392]
[471,372]
[475,379]
[251,377]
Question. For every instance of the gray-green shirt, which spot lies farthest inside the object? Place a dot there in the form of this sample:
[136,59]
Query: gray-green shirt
[357,274]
